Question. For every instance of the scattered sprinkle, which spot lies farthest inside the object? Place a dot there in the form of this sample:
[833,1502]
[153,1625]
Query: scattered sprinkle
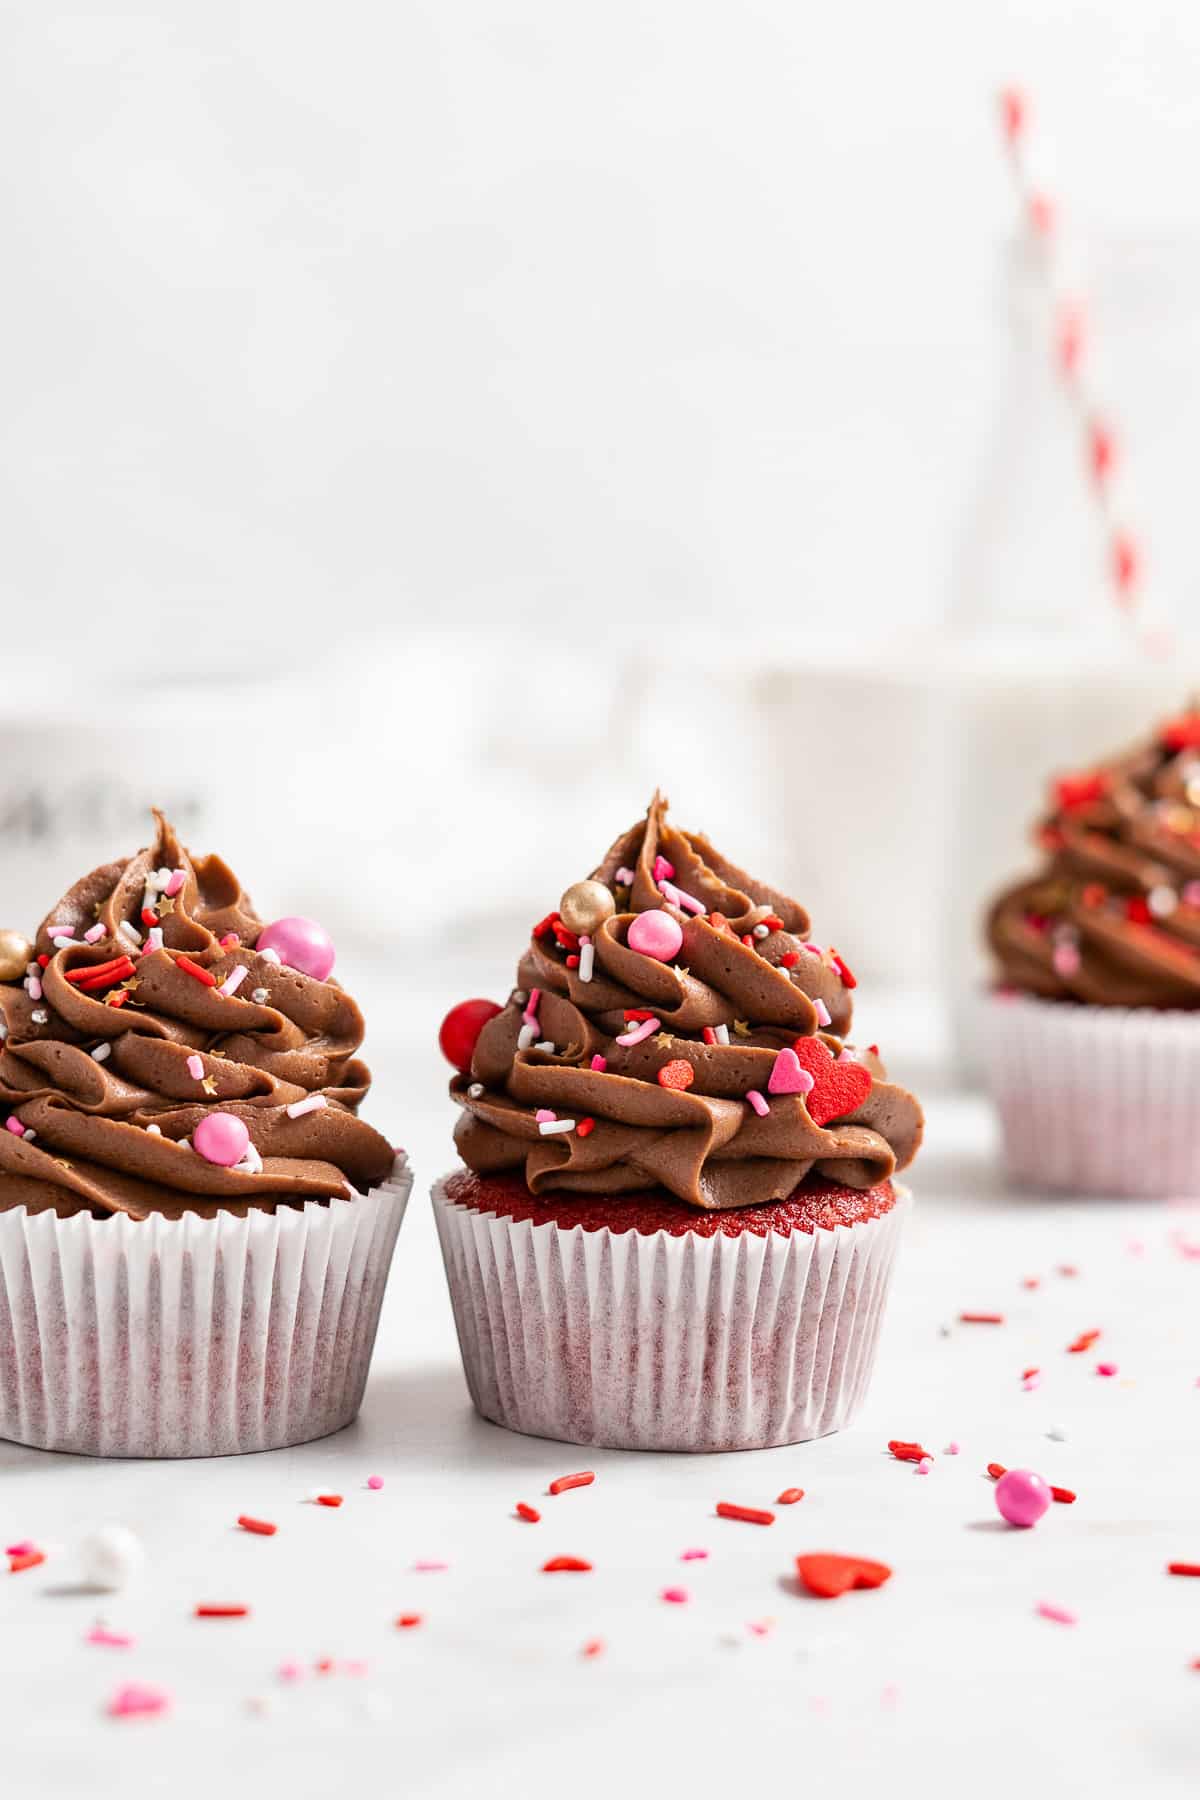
[313,1103]
[207,1611]
[1059,1615]
[109,1640]
[195,1067]
[789,1496]
[1106,1368]
[566,1565]
[529,1513]
[407,1621]
[695,1555]
[134,1700]
[205,977]
[755,1099]
[593,1647]
[329,1499]
[640,1033]
[676,1596]
[261,1527]
[980,1318]
[751,1515]
[430,1566]
[31,1559]
[564,1483]
[374,1482]
[1183,1568]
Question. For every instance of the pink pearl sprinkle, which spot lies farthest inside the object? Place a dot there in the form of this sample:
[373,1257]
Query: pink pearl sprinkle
[1061,1615]
[693,1555]
[195,1067]
[953,1447]
[676,1596]
[641,1032]
[924,1466]
[656,934]
[1106,1368]
[755,1099]
[375,1482]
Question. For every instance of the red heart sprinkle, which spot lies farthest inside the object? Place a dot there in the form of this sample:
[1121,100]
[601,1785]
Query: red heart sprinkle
[829,1575]
[839,1088]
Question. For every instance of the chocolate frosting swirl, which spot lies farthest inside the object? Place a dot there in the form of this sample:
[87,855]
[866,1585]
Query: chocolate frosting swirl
[744,972]
[1113,916]
[106,1134]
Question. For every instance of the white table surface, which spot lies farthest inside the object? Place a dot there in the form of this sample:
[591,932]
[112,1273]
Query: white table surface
[944,1681]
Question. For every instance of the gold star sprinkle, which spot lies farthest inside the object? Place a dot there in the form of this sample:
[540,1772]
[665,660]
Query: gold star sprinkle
[62,1163]
[209,1085]
[741,1027]
[165,908]
[664,1040]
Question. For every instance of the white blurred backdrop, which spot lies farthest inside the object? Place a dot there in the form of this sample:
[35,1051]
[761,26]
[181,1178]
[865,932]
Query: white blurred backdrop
[427,427]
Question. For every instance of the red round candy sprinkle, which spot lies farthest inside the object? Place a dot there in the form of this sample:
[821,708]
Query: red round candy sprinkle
[461,1028]
[678,1074]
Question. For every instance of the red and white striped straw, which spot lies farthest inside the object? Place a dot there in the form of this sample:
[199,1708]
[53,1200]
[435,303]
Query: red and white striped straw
[1070,344]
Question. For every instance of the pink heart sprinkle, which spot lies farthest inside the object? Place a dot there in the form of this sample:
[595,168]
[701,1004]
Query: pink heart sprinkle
[787,1076]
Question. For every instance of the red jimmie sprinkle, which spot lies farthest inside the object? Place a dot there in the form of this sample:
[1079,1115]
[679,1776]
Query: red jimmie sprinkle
[976,1318]
[585,1128]
[1064,1496]
[566,1565]
[149,917]
[329,1499]
[406,1621]
[789,1496]
[30,1560]
[43,961]
[204,976]
[1183,1568]
[261,1527]
[905,1452]
[564,1483]
[772,921]
[752,1515]
[222,1612]
[637,1015]
[118,999]
[530,1513]
[677,1075]
[848,980]
[545,925]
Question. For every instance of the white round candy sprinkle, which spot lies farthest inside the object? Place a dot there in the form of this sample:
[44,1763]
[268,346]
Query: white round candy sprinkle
[1162,901]
[111,1557]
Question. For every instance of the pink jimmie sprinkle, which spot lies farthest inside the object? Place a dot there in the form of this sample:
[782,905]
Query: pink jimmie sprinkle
[109,1640]
[35,988]
[136,1701]
[314,1103]
[1060,1615]
[599,1064]
[529,1016]
[375,1482]
[1106,1368]
[26,1547]
[233,981]
[178,877]
[195,1067]
[641,1032]
[685,902]
[693,1555]
[755,1099]
[676,1596]
[13,1124]
[824,1016]
[94,933]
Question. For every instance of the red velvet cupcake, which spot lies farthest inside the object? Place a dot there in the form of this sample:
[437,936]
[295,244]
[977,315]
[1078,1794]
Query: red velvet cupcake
[677,1225]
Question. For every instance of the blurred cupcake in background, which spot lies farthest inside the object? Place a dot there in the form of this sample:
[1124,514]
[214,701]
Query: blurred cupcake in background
[1093,1029]
[195,1226]
[677,1221]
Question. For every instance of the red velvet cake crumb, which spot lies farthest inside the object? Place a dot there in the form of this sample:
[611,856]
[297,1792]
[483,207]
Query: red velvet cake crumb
[823,1203]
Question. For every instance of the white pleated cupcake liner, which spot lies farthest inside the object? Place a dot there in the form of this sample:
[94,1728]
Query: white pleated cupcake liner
[1096,1099]
[654,1342]
[165,1337]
